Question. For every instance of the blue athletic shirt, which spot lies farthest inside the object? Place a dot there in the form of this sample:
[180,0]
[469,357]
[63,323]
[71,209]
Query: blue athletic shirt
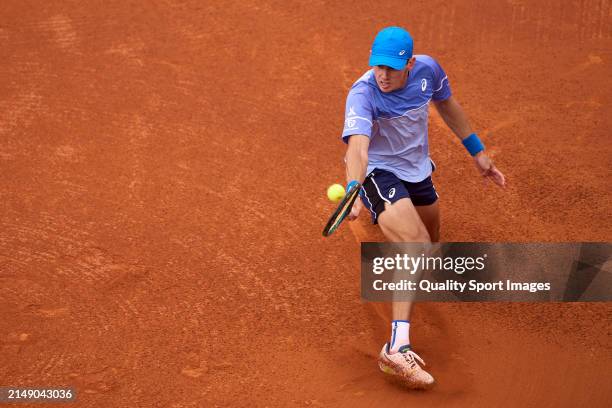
[396,122]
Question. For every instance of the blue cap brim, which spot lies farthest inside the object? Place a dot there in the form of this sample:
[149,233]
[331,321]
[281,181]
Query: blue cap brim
[389,61]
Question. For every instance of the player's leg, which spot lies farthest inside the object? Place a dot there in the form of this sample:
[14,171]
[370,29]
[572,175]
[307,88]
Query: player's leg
[400,222]
[420,194]
[388,200]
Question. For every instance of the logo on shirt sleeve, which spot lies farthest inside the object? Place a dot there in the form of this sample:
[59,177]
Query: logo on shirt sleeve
[423,84]
[350,122]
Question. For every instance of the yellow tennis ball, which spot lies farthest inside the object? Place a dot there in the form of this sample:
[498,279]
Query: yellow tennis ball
[335,192]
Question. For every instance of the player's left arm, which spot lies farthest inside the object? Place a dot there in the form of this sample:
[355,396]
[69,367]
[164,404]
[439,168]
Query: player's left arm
[455,118]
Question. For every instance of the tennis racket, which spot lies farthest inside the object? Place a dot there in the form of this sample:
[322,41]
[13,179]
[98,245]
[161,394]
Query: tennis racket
[344,208]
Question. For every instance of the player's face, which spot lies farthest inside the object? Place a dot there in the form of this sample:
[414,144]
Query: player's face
[389,79]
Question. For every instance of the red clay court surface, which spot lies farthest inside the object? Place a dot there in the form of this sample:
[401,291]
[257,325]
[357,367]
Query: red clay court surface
[162,177]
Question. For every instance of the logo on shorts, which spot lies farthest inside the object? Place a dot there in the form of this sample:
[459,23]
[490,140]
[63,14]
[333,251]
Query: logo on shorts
[423,84]
[392,193]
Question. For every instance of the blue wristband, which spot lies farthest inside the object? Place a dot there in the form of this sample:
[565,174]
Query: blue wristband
[350,185]
[473,144]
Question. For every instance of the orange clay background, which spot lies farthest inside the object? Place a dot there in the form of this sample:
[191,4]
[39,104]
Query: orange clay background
[163,170]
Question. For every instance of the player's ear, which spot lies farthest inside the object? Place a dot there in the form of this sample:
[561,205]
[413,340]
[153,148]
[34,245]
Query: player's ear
[410,63]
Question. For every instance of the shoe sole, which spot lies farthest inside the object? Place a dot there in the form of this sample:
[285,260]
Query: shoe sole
[388,368]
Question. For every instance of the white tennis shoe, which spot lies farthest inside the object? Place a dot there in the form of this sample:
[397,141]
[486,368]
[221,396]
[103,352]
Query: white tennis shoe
[404,365]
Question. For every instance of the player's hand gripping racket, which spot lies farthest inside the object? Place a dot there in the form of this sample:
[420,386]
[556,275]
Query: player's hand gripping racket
[344,208]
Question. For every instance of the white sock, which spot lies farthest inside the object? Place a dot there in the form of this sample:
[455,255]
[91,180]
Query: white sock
[400,335]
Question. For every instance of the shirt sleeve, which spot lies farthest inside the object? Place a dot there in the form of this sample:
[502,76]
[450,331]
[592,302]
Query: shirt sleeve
[358,115]
[441,88]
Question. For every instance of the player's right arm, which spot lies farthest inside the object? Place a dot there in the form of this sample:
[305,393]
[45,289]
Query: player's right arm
[356,158]
[356,166]
[356,134]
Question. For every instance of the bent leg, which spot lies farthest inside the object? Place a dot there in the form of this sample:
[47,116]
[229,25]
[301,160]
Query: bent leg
[400,222]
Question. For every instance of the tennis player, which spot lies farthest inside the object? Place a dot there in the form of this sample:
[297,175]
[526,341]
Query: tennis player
[385,128]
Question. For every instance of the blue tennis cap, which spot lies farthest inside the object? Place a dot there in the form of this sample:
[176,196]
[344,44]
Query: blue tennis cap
[392,47]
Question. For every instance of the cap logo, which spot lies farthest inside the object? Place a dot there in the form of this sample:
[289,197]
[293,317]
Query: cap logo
[402,52]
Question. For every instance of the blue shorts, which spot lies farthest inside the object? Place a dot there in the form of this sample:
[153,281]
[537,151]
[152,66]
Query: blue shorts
[382,186]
